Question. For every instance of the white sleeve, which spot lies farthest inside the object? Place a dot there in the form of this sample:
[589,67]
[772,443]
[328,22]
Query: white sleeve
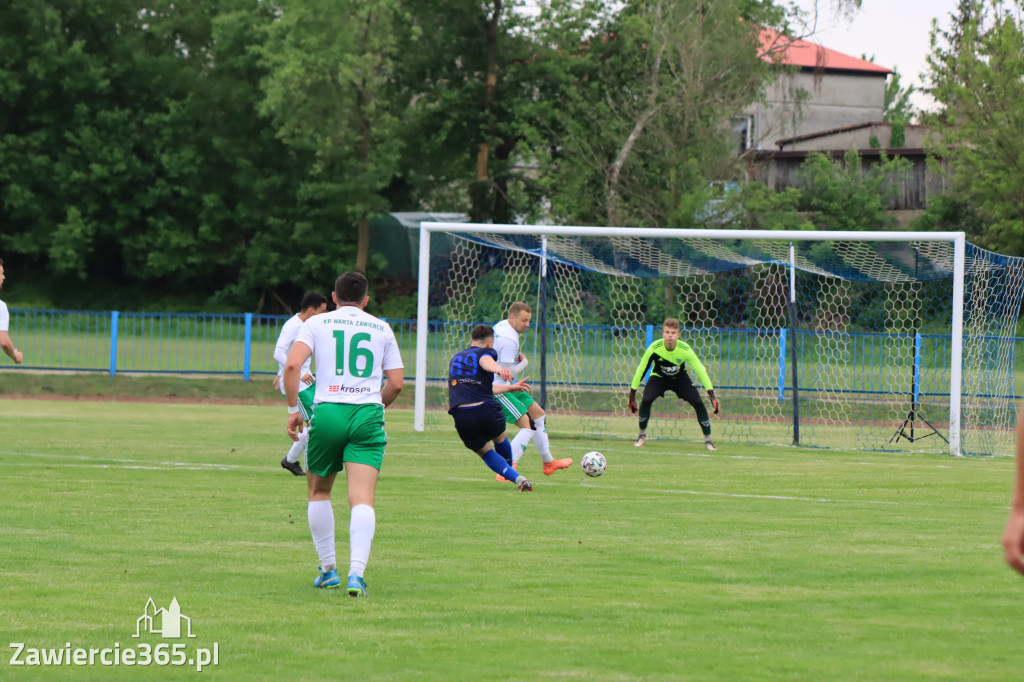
[5,318]
[285,341]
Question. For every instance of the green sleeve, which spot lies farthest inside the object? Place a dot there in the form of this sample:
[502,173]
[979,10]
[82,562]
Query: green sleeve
[690,358]
[638,376]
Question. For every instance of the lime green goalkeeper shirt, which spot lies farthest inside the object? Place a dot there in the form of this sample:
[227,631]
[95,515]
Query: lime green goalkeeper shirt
[668,363]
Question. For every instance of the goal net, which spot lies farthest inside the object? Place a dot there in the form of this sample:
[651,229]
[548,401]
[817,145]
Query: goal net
[866,340]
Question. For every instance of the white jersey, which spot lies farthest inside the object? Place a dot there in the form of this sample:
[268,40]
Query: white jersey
[285,339]
[5,318]
[352,350]
[506,342]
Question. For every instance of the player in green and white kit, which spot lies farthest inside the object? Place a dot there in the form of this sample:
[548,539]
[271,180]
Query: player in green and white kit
[519,406]
[354,352]
[5,322]
[313,303]
[666,357]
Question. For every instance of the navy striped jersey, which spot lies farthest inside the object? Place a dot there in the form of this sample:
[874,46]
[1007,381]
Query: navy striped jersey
[468,382]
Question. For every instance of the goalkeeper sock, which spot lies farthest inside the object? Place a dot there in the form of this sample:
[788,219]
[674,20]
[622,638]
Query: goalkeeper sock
[321,527]
[540,439]
[645,415]
[298,447]
[360,537]
[504,448]
[702,417]
[519,444]
[499,466]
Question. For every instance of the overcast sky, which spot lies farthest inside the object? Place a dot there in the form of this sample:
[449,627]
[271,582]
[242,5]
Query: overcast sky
[894,31]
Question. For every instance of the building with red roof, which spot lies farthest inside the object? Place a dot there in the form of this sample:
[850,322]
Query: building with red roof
[818,89]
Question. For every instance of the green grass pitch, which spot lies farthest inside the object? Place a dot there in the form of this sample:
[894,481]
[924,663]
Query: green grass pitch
[751,563]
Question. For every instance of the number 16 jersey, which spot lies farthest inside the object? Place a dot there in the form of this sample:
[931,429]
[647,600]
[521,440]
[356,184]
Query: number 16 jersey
[352,349]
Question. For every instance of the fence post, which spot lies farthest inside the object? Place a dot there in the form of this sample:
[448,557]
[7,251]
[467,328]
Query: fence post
[114,315]
[248,347]
[782,365]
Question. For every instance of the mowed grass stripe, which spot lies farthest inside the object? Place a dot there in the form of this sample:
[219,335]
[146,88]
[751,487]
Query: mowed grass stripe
[670,566]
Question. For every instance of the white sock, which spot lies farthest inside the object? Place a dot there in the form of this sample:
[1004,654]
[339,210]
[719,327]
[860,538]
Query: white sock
[321,527]
[519,444]
[298,447]
[360,532]
[540,439]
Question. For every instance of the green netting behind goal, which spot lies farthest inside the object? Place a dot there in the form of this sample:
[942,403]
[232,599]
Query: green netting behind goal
[870,334]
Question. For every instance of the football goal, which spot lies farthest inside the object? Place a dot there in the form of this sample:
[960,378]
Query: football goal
[861,340]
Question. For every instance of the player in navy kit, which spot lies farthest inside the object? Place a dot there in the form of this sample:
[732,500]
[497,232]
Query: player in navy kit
[478,418]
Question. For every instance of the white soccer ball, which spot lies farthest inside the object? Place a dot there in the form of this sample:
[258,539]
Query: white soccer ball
[593,463]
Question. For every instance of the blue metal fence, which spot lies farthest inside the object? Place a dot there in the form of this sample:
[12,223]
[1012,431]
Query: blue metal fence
[243,344]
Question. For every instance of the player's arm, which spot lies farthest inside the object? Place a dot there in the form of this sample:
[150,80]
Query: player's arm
[520,365]
[489,364]
[520,385]
[1013,536]
[690,358]
[8,346]
[284,343]
[638,376]
[297,356]
[394,380]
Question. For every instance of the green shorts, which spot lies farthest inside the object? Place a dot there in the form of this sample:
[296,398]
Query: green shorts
[306,401]
[514,405]
[340,433]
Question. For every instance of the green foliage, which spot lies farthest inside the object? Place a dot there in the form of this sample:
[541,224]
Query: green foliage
[898,107]
[757,207]
[131,154]
[898,135]
[844,195]
[977,72]
[641,130]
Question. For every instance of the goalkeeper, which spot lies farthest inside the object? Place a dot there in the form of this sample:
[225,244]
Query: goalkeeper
[665,358]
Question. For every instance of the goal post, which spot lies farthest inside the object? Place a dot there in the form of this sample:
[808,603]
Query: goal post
[734,291]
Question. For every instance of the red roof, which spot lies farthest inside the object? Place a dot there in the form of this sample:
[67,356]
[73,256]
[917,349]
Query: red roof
[794,52]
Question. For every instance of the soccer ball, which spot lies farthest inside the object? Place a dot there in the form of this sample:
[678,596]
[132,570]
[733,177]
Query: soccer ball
[593,463]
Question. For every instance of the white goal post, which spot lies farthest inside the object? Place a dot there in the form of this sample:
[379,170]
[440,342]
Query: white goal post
[783,238]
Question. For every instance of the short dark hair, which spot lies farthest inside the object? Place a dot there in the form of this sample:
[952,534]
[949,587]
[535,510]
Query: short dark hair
[312,299]
[351,287]
[481,332]
[671,323]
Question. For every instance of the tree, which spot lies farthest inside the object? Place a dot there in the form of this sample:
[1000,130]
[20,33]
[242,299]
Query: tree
[898,107]
[648,128]
[976,74]
[329,91]
[482,81]
[845,195]
[132,155]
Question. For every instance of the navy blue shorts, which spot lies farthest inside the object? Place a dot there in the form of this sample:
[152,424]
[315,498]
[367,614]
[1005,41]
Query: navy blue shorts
[479,424]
